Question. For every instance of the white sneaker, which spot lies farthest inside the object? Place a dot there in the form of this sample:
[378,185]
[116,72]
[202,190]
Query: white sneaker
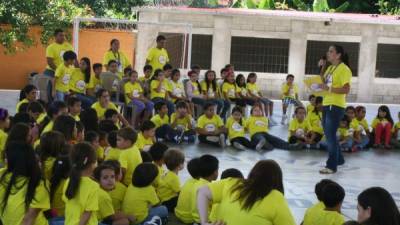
[260,145]
[222,141]
[326,171]
[239,146]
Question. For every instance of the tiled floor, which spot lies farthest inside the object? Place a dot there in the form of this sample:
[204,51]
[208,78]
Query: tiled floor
[300,169]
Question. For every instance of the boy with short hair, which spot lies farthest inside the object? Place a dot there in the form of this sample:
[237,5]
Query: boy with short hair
[74,107]
[289,96]
[161,120]
[63,76]
[112,152]
[94,83]
[146,136]
[113,115]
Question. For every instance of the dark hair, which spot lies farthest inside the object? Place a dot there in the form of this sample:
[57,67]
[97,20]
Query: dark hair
[3,114]
[89,119]
[157,151]
[232,172]
[190,73]
[60,171]
[72,101]
[111,62]
[351,222]
[318,100]
[26,90]
[21,117]
[344,57]
[348,108]
[239,110]
[359,108]
[265,176]
[299,108]
[23,107]
[388,116]
[311,97]
[21,162]
[113,163]
[213,83]
[107,126]
[35,107]
[96,66]
[181,105]
[319,187]
[251,75]
[346,119]
[129,71]
[167,67]
[128,133]
[100,168]
[147,125]
[147,67]
[53,109]
[66,125]
[51,145]
[19,132]
[208,165]
[146,157]
[289,76]
[144,174]
[110,113]
[87,71]
[240,76]
[113,41]
[156,74]
[383,208]
[81,157]
[91,136]
[112,138]
[57,31]
[223,70]
[160,38]
[173,158]
[208,105]
[193,167]
[159,105]
[332,195]
[69,55]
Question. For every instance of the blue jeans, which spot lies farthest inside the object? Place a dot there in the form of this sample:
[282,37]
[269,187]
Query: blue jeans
[170,105]
[166,132]
[160,211]
[331,116]
[57,221]
[348,144]
[272,140]
[364,142]
[60,96]
[87,101]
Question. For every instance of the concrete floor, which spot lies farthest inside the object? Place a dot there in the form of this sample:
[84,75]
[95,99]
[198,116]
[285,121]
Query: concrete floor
[300,169]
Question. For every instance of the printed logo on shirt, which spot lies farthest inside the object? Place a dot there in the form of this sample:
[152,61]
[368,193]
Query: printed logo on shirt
[66,78]
[162,59]
[210,127]
[300,132]
[237,127]
[80,85]
[260,123]
[135,93]
[231,93]
[178,92]
[115,84]
[146,148]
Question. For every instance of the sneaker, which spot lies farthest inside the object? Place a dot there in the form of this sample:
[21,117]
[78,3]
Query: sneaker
[155,220]
[222,141]
[260,145]
[190,139]
[327,171]
[213,138]
[239,146]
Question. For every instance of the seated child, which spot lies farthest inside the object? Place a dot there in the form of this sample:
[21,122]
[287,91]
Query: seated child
[161,120]
[141,198]
[36,111]
[106,177]
[396,134]
[157,152]
[181,122]
[171,186]
[112,152]
[290,95]
[311,104]
[130,156]
[146,136]
[74,107]
[80,132]
[236,130]
[363,124]
[183,208]
[314,118]
[210,128]
[117,193]
[62,76]
[382,127]
[113,115]
[93,138]
[145,80]
[27,95]
[343,135]
[355,130]
[299,127]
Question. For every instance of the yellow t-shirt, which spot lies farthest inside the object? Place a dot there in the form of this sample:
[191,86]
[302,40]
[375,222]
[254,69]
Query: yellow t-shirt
[312,212]
[63,76]
[337,77]
[57,202]
[396,127]
[100,110]
[117,195]
[106,208]
[196,88]
[23,101]
[94,83]
[48,127]
[253,89]
[325,217]
[3,139]
[142,143]
[15,210]
[257,124]
[121,59]
[170,187]
[342,133]
[85,199]
[363,125]
[112,153]
[293,91]
[229,90]
[354,127]
[297,126]
[183,208]
[273,209]
[100,153]
[177,89]
[210,92]
[377,121]
[182,123]
[56,52]
[77,83]
[129,160]
[198,184]
[134,89]
[315,121]
[235,129]
[242,90]
[48,167]
[157,58]
[210,124]
[158,121]
[137,201]
[163,91]
[310,108]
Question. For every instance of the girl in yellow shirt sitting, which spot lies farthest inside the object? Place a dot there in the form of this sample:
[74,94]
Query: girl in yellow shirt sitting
[236,130]
[80,79]
[162,124]
[28,94]
[51,146]
[159,88]
[382,127]
[211,92]
[210,128]
[359,141]
[23,191]
[242,90]
[314,119]
[182,123]
[299,127]
[230,91]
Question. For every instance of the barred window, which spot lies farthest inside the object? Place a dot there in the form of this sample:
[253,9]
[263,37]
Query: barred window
[202,50]
[388,61]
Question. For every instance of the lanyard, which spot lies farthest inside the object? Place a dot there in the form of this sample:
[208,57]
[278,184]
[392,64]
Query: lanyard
[118,57]
[329,74]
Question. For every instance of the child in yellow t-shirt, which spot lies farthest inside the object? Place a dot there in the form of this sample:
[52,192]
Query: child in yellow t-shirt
[141,199]
[156,153]
[183,207]
[396,134]
[210,128]
[81,193]
[159,88]
[93,138]
[290,95]
[170,186]
[230,91]
[74,107]
[330,212]
[182,123]
[112,152]
[63,75]
[343,135]
[94,83]
[107,214]
[146,136]
[212,92]
[28,95]
[311,103]
[113,115]
[355,130]
[117,193]
[4,125]
[60,173]
[314,119]
[51,146]
[299,127]
[382,128]
[236,130]
[145,80]
[162,123]
[130,156]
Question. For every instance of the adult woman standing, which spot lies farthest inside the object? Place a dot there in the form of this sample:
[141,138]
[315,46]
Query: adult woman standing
[257,200]
[115,54]
[336,81]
